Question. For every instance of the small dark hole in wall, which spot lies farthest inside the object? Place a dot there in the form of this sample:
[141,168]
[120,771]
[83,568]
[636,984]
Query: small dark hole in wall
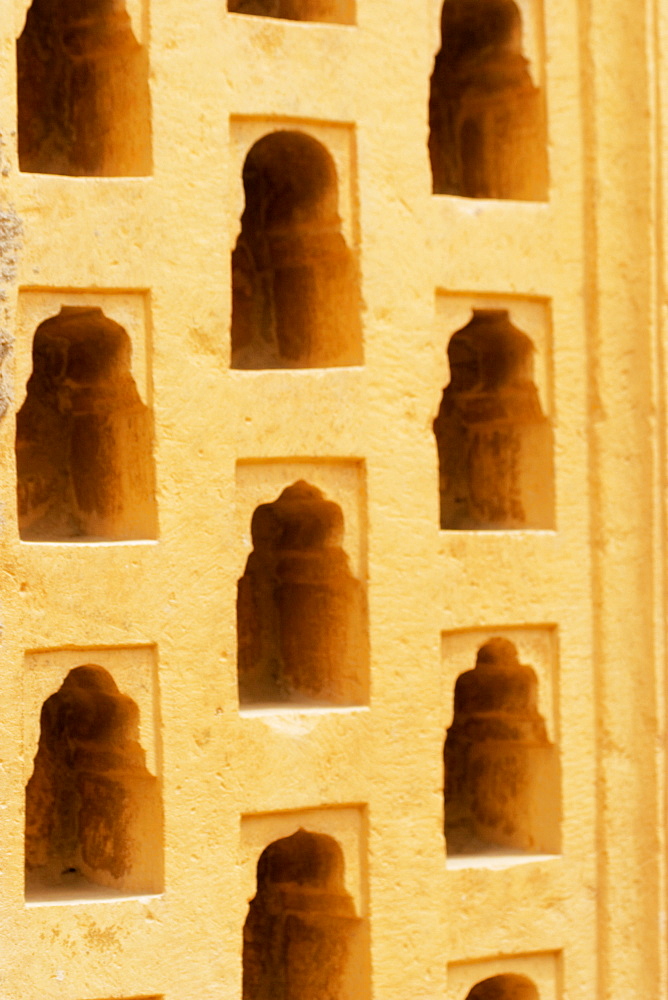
[501,771]
[495,446]
[301,614]
[505,987]
[295,289]
[93,811]
[84,106]
[487,119]
[302,938]
[83,436]
[331,11]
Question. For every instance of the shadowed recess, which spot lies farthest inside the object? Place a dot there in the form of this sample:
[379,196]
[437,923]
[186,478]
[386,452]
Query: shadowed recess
[330,11]
[495,446]
[84,105]
[505,987]
[302,938]
[501,771]
[84,446]
[295,290]
[301,614]
[93,811]
[487,119]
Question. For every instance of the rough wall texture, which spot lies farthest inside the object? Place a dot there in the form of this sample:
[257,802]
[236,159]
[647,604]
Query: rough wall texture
[139,217]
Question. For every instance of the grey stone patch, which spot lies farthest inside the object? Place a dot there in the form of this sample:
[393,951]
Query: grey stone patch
[11,233]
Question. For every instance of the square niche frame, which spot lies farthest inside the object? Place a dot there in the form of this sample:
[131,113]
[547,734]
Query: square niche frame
[135,672]
[261,481]
[347,824]
[130,308]
[338,138]
[544,968]
[537,646]
[531,314]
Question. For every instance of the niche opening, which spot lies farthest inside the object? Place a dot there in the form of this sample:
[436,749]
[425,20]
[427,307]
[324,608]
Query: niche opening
[301,614]
[501,771]
[509,986]
[83,436]
[302,938]
[295,290]
[487,119]
[494,442]
[93,810]
[84,106]
[328,11]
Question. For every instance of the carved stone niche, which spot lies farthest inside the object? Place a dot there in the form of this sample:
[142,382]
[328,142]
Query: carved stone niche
[84,438]
[501,771]
[84,105]
[487,119]
[301,614]
[295,289]
[494,442]
[302,935]
[93,810]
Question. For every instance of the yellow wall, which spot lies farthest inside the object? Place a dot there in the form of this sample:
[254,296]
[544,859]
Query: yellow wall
[583,275]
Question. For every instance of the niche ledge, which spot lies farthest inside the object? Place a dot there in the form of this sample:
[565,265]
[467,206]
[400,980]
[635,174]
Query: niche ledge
[81,892]
[496,861]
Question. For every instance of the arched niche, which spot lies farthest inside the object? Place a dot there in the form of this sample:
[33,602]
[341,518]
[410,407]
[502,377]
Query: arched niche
[295,289]
[328,11]
[495,445]
[93,810]
[302,938]
[508,986]
[501,770]
[84,448]
[487,118]
[84,106]
[301,614]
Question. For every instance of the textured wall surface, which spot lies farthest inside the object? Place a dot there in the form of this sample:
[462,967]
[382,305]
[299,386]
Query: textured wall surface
[140,223]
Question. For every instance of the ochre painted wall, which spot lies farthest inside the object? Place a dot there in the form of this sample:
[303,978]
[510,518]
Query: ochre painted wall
[578,907]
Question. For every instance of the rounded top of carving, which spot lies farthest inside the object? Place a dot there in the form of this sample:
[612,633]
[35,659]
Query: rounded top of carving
[89,707]
[509,986]
[289,179]
[499,682]
[80,346]
[301,518]
[313,860]
[480,27]
[489,353]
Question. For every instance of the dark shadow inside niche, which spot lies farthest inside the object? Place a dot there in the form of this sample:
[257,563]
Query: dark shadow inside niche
[295,288]
[301,614]
[328,11]
[84,106]
[302,938]
[508,986]
[93,810]
[495,445]
[501,771]
[487,119]
[84,443]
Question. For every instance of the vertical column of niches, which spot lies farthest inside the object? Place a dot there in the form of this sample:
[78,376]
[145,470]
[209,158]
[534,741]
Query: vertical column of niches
[84,429]
[83,98]
[93,763]
[303,674]
[487,115]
